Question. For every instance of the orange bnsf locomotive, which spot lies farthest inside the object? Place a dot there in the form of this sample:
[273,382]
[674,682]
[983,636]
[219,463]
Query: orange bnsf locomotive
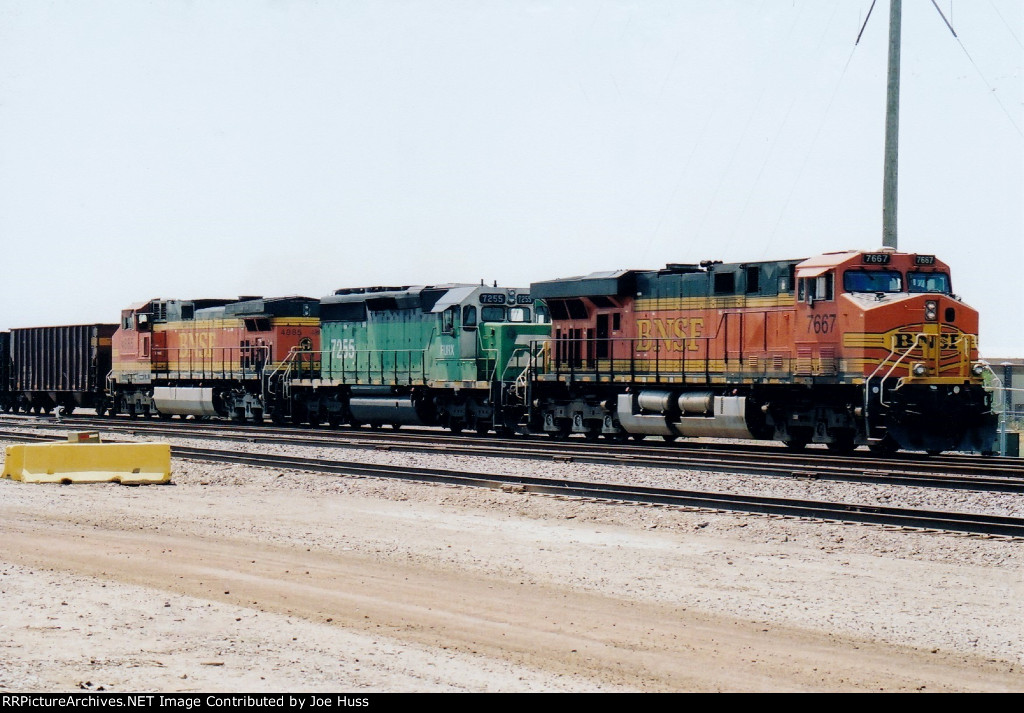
[845,349]
[206,357]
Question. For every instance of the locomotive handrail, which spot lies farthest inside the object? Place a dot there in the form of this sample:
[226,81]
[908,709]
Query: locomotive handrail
[374,368]
[881,385]
[284,366]
[224,361]
[569,359]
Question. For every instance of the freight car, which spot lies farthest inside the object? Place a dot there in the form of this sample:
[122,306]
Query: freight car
[55,367]
[206,358]
[444,355]
[845,349]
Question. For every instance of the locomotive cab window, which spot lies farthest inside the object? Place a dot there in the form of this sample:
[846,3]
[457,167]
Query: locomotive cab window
[469,317]
[492,314]
[448,320]
[815,289]
[543,317]
[872,281]
[518,314]
[928,282]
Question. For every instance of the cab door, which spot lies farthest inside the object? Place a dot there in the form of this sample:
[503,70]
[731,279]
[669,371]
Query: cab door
[816,330]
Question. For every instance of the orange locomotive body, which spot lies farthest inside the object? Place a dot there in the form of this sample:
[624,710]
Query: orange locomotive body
[844,348]
[207,357]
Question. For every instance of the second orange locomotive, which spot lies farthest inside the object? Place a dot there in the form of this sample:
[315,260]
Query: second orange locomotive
[207,357]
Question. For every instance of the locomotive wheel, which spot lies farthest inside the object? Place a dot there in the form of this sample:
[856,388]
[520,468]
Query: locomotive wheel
[482,429]
[638,437]
[592,434]
[670,439]
[334,419]
[796,444]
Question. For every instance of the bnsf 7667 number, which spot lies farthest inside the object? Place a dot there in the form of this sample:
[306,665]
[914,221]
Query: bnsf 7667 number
[821,323]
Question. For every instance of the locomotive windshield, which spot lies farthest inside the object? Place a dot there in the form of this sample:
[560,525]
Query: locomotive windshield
[518,314]
[928,282]
[492,314]
[872,281]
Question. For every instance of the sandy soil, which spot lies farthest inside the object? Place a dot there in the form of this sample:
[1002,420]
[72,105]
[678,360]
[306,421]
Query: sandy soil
[237,579]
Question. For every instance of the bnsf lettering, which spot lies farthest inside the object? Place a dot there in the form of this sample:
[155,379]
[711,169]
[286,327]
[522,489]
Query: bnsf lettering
[672,333]
[903,341]
[198,340]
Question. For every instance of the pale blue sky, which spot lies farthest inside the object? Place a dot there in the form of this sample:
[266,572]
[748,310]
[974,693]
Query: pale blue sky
[216,148]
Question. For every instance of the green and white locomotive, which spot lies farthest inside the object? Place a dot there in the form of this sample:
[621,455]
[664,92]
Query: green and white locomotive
[450,355]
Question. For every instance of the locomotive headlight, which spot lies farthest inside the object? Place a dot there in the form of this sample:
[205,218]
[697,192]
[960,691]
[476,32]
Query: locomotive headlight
[978,369]
[931,310]
[919,369]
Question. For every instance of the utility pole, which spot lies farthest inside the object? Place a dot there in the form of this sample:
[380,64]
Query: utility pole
[892,129]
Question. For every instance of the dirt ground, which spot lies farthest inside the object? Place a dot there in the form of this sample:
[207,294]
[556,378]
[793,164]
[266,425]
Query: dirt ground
[238,579]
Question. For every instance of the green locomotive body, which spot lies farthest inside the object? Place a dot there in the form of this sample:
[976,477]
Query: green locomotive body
[448,355]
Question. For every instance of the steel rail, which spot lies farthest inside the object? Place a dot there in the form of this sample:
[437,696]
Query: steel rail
[842,512]
[969,523]
[778,464]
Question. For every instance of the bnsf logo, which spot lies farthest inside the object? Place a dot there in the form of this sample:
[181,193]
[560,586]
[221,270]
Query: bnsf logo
[198,340]
[903,341]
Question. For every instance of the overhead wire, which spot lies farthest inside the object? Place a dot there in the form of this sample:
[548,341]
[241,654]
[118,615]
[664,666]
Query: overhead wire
[807,155]
[992,89]
[778,133]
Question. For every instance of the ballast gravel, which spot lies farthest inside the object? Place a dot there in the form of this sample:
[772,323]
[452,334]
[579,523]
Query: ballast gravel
[72,627]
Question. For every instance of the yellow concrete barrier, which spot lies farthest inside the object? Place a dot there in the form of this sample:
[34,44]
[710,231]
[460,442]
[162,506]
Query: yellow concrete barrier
[61,462]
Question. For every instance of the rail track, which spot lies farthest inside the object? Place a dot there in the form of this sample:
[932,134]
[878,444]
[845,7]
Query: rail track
[960,473]
[971,523]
